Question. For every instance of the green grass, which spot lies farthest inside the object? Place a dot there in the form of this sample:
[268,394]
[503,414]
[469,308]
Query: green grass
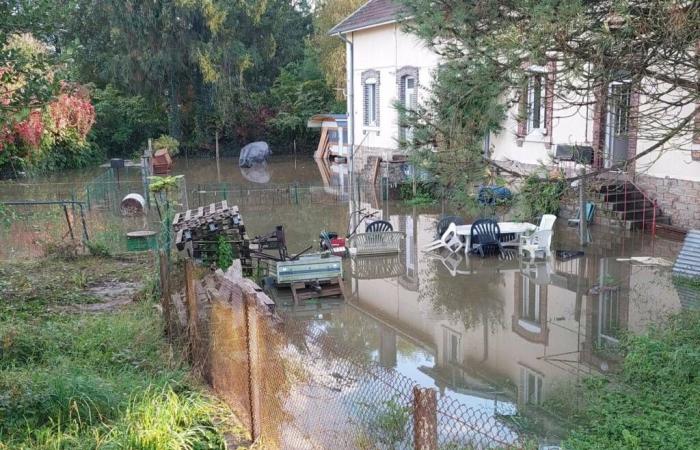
[84,381]
[652,403]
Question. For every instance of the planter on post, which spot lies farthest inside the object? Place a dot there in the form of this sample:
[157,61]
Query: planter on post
[424,418]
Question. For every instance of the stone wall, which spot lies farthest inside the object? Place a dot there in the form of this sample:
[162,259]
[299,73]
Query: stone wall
[679,199]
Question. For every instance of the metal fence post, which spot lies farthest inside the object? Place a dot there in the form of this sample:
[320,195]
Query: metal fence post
[251,316]
[424,418]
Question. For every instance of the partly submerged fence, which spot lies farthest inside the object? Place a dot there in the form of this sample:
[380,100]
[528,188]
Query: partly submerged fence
[295,386]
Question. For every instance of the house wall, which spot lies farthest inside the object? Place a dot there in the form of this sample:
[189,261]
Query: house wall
[570,125]
[670,175]
[386,49]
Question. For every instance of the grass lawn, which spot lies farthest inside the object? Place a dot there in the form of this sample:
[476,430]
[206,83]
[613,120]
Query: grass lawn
[74,378]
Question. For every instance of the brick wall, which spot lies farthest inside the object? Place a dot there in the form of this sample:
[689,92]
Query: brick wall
[679,199]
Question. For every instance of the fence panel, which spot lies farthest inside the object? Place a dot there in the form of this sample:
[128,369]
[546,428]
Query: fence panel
[295,386]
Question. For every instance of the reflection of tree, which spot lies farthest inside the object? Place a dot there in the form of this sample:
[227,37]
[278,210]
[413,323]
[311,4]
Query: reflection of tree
[347,333]
[466,298]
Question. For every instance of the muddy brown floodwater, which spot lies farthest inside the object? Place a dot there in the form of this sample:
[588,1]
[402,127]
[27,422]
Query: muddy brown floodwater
[499,335]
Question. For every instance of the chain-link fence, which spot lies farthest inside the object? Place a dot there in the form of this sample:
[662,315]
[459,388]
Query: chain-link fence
[286,194]
[40,218]
[295,386]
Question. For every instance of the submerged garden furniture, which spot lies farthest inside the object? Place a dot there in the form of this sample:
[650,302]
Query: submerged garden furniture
[590,212]
[450,240]
[540,240]
[375,243]
[379,226]
[445,222]
[485,235]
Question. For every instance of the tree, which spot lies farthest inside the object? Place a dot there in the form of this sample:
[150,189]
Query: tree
[331,50]
[486,45]
[202,60]
[298,93]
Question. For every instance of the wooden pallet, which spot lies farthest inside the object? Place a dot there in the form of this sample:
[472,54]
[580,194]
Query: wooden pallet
[302,291]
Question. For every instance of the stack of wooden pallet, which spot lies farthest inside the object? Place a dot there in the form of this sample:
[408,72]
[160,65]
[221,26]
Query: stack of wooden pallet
[197,231]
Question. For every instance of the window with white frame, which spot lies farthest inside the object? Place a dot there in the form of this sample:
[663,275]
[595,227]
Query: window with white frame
[536,101]
[452,345]
[531,301]
[531,384]
[370,98]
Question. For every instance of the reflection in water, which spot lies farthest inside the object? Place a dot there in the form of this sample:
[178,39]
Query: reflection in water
[257,173]
[503,336]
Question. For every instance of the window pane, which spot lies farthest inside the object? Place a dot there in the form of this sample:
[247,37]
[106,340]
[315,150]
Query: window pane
[536,101]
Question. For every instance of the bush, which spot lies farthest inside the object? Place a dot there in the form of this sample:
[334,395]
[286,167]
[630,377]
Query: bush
[425,193]
[167,142]
[98,248]
[539,196]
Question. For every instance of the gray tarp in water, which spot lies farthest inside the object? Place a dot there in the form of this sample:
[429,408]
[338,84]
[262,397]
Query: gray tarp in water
[254,153]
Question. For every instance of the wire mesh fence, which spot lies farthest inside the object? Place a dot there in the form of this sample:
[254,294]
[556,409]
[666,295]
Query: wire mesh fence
[296,386]
[36,218]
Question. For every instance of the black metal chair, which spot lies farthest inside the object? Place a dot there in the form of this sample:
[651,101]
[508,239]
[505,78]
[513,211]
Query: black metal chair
[378,226]
[484,235]
[445,222]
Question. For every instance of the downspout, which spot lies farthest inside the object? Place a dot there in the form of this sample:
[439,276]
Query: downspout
[351,102]
[350,82]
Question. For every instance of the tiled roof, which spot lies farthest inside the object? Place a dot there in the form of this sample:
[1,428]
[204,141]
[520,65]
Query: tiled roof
[374,12]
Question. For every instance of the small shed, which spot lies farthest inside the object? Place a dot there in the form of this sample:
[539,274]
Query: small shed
[334,135]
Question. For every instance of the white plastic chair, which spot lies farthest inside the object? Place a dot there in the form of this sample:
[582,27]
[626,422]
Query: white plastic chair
[540,240]
[449,240]
[547,222]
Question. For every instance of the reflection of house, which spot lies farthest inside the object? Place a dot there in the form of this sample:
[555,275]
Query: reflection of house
[515,333]
[409,252]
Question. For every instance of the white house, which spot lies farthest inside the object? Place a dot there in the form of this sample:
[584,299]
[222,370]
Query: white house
[386,64]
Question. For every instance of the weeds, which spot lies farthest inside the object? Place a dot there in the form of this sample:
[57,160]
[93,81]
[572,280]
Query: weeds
[689,282]
[97,248]
[653,401]
[85,381]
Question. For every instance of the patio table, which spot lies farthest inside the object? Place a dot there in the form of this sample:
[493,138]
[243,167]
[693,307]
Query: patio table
[516,228]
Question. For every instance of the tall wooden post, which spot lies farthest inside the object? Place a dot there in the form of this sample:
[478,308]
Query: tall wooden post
[165,300]
[192,312]
[251,316]
[424,418]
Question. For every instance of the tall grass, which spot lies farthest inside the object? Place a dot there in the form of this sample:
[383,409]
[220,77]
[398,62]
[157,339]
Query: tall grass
[79,381]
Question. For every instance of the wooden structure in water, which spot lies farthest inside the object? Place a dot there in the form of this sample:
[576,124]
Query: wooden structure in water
[197,232]
[334,135]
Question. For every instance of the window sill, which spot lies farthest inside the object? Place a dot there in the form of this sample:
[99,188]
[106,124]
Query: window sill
[368,128]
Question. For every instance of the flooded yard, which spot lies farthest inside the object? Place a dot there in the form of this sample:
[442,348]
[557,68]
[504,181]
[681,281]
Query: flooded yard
[504,336]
